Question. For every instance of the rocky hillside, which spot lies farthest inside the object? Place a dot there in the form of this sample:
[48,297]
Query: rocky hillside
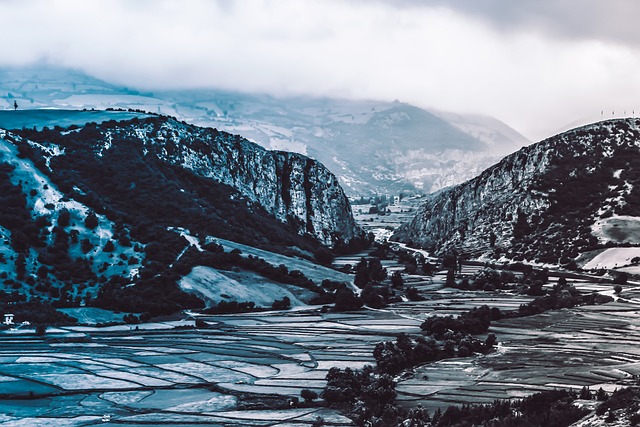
[294,189]
[88,211]
[541,203]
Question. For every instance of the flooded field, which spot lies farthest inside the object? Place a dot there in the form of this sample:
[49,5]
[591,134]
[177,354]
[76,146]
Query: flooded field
[231,372]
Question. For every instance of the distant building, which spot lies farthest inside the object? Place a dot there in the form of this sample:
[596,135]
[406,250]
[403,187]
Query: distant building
[8,319]
[396,200]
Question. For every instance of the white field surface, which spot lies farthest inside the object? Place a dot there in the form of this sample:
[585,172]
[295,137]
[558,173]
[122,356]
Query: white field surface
[612,258]
[214,286]
[313,271]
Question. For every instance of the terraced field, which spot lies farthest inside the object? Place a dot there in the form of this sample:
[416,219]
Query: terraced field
[593,346]
[230,373]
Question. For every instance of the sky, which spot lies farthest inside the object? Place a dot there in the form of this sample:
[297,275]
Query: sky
[537,65]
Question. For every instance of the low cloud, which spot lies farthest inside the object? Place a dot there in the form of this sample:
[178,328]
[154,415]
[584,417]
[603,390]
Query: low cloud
[530,63]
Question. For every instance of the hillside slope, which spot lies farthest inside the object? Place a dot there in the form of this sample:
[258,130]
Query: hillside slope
[294,189]
[121,210]
[542,202]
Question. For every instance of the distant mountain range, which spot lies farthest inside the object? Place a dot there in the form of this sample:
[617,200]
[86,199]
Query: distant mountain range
[549,202]
[373,147]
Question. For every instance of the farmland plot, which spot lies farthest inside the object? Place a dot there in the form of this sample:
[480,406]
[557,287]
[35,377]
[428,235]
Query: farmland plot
[232,372]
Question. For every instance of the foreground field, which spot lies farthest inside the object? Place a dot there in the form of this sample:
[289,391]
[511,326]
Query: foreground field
[237,370]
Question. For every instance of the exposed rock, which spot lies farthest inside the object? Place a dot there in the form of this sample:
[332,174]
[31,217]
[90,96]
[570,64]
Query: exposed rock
[292,187]
[540,202]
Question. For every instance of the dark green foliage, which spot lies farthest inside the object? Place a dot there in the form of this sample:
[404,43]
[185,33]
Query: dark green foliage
[308,395]
[323,256]
[585,393]
[626,398]
[91,221]
[413,294]
[34,311]
[451,278]
[228,307]
[396,279]
[621,278]
[378,296]
[15,216]
[109,247]
[549,408]
[156,295]
[408,351]
[475,321]
[369,397]
[346,300]
[369,270]
[283,304]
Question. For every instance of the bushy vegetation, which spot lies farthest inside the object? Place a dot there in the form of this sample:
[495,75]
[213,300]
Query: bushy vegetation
[369,400]
[478,320]
[148,197]
[553,408]
[627,398]
[579,178]
[35,311]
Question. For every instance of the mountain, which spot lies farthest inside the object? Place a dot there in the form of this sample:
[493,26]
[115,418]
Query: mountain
[88,210]
[549,202]
[374,147]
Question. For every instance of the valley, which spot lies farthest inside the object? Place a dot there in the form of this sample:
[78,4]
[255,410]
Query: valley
[249,369]
[246,283]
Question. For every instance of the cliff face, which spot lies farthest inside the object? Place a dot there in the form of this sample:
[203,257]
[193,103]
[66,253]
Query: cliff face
[540,202]
[116,213]
[295,189]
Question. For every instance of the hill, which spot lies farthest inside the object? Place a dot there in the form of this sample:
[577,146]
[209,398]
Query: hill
[548,202]
[114,214]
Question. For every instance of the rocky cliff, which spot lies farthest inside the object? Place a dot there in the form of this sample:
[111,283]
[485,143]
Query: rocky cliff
[541,202]
[295,189]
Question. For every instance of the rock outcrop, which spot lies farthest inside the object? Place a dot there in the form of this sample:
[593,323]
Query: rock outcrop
[294,188]
[540,202]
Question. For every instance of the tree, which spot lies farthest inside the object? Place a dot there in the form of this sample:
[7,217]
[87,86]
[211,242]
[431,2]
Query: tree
[283,304]
[41,329]
[396,279]
[64,218]
[521,228]
[451,278]
[362,273]
[109,247]
[91,221]
[347,300]
[585,393]
[15,105]
[621,278]
[308,395]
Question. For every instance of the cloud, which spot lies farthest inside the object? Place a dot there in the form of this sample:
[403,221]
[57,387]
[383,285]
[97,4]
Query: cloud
[524,62]
[613,20]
